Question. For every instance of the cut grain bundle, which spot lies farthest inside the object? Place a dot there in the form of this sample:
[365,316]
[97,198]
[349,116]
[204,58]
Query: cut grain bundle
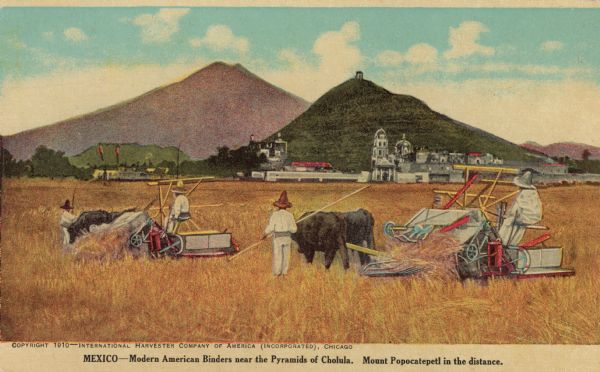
[111,241]
[435,256]
[102,245]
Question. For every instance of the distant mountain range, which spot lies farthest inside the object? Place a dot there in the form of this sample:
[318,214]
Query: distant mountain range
[222,105]
[339,128]
[219,105]
[561,149]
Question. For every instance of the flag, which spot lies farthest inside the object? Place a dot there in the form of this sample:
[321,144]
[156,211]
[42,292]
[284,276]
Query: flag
[100,152]
[117,152]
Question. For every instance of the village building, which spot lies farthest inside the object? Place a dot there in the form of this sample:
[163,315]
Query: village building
[275,152]
[478,158]
[383,164]
[408,164]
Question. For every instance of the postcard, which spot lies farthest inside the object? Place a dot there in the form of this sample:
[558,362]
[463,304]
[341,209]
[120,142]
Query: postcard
[355,186]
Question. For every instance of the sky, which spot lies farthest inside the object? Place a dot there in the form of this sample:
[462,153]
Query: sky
[523,74]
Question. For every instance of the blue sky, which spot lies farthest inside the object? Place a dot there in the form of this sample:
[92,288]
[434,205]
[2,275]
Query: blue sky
[521,73]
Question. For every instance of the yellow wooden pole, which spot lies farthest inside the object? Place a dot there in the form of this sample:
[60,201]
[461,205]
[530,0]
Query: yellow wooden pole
[493,188]
[193,188]
[503,198]
[466,180]
[370,251]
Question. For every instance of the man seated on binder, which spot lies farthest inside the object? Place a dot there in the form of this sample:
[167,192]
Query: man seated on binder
[526,211]
[180,210]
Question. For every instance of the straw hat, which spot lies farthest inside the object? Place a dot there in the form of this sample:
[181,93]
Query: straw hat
[179,188]
[524,181]
[283,202]
[67,205]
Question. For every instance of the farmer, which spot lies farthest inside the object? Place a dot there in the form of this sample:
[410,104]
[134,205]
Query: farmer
[527,210]
[180,209]
[281,225]
[66,219]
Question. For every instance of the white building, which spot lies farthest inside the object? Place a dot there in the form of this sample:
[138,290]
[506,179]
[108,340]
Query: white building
[274,151]
[404,150]
[383,167]
[407,165]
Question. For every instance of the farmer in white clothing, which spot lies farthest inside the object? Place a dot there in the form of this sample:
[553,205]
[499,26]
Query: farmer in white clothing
[281,225]
[66,219]
[180,210]
[527,210]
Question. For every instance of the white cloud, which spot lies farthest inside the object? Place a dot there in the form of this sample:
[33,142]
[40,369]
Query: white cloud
[75,34]
[337,58]
[48,35]
[158,27]
[552,46]
[390,58]
[464,39]
[291,57]
[418,54]
[220,38]
[528,69]
[16,43]
[67,93]
[422,54]
[518,110]
[335,48]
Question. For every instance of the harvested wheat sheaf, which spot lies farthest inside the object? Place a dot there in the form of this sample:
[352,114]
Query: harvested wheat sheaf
[435,255]
[105,245]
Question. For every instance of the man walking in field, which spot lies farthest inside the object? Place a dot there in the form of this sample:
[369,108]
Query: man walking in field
[527,210]
[281,225]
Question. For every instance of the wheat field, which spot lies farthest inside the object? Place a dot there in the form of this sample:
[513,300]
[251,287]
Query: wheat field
[48,296]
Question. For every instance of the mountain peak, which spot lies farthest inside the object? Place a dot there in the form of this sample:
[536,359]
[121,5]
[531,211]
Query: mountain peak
[223,66]
[355,91]
[340,125]
[219,105]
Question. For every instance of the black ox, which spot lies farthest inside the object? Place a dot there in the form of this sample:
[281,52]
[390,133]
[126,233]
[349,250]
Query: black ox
[328,232]
[359,231]
[86,219]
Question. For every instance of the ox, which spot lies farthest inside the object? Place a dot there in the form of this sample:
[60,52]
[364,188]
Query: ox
[324,232]
[359,231]
[328,232]
[88,219]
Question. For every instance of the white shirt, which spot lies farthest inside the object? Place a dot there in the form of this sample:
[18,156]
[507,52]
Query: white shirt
[180,205]
[66,219]
[281,221]
[527,208]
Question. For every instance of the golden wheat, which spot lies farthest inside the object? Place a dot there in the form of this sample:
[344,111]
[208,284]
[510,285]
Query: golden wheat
[48,296]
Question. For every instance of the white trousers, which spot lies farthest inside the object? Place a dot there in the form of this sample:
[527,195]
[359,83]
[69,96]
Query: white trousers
[511,233]
[282,246]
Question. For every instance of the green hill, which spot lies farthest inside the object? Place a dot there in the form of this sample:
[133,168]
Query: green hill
[131,153]
[339,128]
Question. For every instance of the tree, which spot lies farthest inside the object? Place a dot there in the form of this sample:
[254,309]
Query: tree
[50,163]
[585,155]
[13,167]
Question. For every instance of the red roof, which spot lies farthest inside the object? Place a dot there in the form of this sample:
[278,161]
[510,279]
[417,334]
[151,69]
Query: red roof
[473,154]
[311,164]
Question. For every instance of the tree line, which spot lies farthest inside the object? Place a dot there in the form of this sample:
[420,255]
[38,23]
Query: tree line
[46,162]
